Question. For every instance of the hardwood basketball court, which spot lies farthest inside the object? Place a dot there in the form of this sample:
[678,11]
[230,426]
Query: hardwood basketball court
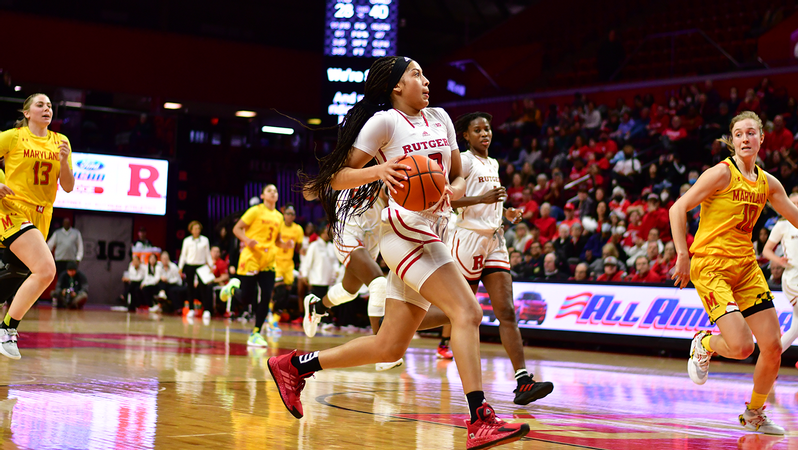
[100,379]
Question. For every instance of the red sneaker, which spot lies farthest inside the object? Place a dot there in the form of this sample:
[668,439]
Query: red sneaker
[289,382]
[444,352]
[186,310]
[488,431]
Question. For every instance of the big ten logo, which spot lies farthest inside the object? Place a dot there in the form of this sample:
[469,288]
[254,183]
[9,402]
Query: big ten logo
[143,174]
[112,251]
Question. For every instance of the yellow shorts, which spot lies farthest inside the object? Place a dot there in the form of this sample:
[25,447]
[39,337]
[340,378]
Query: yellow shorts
[730,284]
[16,216]
[285,270]
[252,262]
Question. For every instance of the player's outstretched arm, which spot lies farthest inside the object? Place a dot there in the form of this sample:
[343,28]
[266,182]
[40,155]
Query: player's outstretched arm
[780,201]
[498,194]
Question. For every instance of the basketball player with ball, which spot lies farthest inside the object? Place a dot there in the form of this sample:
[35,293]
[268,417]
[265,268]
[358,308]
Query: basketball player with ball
[478,247]
[391,122]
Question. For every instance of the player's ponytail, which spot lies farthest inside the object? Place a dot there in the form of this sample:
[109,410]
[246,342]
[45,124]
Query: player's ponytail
[380,82]
[23,122]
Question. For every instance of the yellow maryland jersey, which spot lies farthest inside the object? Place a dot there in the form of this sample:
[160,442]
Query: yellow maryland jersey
[263,225]
[32,165]
[294,232]
[728,216]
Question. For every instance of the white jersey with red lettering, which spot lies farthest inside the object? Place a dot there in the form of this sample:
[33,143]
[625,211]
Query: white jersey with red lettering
[411,242]
[391,134]
[786,234]
[481,176]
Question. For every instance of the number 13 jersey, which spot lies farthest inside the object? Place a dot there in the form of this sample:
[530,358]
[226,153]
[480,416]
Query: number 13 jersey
[32,165]
[728,216]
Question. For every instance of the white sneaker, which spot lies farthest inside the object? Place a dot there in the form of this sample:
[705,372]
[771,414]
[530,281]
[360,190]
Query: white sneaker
[229,289]
[156,308]
[8,343]
[698,364]
[162,294]
[310,323]
[387,366]
[756,420]
[206,315]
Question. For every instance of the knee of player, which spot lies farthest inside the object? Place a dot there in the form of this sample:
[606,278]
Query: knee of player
[392,352]
[469,314]
[743,349]
[771,349]
[45,269]
[505,315]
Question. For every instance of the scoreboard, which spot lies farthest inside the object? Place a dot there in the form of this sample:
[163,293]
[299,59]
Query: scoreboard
[361,28]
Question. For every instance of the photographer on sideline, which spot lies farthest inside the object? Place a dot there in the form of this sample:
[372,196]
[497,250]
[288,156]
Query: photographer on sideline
[72,289]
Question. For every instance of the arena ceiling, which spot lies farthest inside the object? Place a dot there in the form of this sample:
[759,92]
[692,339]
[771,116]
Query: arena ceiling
[429,29]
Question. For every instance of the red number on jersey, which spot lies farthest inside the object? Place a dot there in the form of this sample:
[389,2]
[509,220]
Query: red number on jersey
[438,158]
[44,178]
[749,218]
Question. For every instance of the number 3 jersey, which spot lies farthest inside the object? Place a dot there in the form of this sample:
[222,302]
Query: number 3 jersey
[728,216]
[32,165]
[390,134]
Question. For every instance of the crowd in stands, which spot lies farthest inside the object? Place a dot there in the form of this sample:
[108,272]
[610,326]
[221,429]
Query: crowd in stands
[596,181]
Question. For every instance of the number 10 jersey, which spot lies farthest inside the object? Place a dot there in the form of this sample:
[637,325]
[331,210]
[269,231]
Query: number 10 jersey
[728,216]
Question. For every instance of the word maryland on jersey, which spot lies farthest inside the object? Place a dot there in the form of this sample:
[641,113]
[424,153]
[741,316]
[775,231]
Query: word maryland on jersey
[40,154]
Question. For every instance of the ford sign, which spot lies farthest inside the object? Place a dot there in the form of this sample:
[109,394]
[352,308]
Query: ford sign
[91,165]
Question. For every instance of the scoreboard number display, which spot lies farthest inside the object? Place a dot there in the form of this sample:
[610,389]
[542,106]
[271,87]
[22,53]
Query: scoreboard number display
[360,28]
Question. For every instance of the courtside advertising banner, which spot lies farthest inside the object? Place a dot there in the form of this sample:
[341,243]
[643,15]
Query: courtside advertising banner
[116,184]
[613,309]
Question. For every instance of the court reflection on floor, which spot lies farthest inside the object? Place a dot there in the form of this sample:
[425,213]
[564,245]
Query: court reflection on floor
[103,380]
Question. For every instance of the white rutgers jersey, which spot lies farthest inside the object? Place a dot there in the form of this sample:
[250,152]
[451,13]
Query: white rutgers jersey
[787,235]
[390,134]
[481,175]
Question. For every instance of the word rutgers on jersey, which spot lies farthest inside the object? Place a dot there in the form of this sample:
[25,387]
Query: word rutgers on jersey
[425,145]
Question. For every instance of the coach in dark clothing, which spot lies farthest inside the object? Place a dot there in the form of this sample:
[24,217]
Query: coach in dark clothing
[72,289]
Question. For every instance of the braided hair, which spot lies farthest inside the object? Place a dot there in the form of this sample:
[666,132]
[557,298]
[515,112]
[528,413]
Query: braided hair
[463,122]
[377,97]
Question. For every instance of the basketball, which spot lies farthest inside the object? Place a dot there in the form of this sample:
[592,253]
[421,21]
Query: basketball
[424,186]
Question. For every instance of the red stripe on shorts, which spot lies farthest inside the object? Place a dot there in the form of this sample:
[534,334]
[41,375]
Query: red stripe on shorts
[402,276]
[415,230]
[399,266]
[408,238]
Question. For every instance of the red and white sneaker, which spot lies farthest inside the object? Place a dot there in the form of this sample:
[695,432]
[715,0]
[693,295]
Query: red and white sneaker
[444,352]
[488,431]
[289,382]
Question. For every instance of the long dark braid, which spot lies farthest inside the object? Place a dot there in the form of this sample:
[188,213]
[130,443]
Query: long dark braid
[377,97]
[463,122]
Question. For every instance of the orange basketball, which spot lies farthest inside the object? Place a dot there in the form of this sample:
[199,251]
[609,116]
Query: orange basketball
[424,186]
